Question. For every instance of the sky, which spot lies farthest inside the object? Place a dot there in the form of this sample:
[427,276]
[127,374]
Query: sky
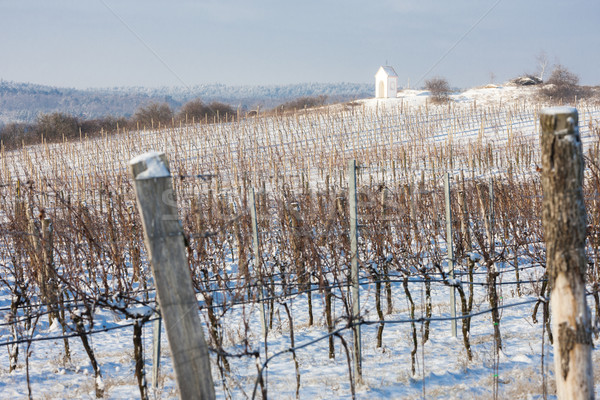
[154,43]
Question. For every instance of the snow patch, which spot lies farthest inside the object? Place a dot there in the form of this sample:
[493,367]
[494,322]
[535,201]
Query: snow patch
[474,257]
[55,326]
[558,110]
[155,167]
[140,312]
[521,358]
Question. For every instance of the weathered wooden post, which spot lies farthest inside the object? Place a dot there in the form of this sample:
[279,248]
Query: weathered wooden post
[564,221]
[492,216]
[258,267]
[52,293]
[450,251]
[164,240]
[354,267]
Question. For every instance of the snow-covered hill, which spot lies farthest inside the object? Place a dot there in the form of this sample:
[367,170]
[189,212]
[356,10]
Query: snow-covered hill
[485,95]
[23,102]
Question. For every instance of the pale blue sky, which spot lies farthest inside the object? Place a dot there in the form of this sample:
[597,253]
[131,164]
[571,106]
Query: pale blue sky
[105,43]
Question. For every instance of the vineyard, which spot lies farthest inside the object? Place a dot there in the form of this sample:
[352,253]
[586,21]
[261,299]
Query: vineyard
[77,296]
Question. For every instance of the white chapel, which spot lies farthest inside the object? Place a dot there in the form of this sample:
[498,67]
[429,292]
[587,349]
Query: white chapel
[386,82]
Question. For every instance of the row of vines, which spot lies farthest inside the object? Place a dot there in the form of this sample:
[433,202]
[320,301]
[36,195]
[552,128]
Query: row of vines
[72,240]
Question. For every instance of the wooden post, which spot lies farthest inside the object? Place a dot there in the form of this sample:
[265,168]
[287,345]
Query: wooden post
[492,236]
[257,267]
[53,296]
[258,271]
[450,251]
[354,267]
[564,221]
[164,240]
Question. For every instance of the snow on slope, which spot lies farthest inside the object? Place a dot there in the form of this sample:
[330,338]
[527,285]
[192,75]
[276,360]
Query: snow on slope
[484,96]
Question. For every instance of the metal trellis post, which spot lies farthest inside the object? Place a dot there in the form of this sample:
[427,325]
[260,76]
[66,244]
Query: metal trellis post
[450,251]
[354,267]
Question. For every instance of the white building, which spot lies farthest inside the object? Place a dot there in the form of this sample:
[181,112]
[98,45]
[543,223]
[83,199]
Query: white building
[386,82]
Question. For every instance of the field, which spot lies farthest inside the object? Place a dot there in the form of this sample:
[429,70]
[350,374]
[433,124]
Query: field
[76,291]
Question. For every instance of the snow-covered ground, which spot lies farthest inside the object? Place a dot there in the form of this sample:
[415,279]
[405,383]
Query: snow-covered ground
[483,97]
[442,369]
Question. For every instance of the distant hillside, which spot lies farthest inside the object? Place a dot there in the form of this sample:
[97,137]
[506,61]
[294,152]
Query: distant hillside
[22,102]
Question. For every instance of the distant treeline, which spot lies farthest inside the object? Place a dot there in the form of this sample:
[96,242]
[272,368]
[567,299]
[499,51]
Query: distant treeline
[24,102]
[58,126]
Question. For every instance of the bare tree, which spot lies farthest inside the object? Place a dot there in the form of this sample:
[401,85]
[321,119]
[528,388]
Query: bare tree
[439,89]
[541,60]
[194,110]
[14,134]
[58,125]
[153,114]
[562,84]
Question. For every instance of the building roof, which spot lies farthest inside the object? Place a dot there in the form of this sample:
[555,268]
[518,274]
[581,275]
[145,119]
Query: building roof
[388,70]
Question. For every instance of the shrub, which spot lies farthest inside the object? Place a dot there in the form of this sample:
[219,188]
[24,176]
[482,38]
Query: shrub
[15,134]
[302,103]
[153,114]
[194,110]
[439,89]
[109,124]
[57,125]
[197,111]
[562,84]
[221,111]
